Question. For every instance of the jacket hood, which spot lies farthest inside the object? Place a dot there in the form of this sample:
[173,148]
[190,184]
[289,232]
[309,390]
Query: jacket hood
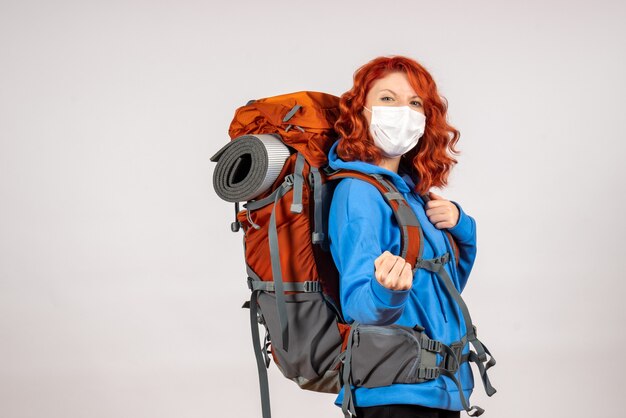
[402,181]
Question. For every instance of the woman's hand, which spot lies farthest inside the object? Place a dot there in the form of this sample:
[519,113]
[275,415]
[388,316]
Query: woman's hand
[441,212]
[393,272]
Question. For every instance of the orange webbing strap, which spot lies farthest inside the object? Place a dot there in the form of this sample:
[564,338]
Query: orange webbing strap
[411,236]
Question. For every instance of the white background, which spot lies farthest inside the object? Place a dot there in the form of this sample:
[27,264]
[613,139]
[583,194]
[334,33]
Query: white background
[120,281]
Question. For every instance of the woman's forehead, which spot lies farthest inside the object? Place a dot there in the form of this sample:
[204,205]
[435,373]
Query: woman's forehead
[396,83]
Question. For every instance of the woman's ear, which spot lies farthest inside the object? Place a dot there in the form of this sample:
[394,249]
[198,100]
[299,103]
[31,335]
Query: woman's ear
[367,115]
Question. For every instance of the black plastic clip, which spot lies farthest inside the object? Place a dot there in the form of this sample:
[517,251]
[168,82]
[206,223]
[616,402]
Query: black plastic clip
[310,287]
[328,170]
[434,346]
[428,373]
[235,226]
[449,362]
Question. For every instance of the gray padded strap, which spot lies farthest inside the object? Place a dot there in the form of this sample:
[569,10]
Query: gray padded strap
[406,217]
[404,214]
[298,181]
[382,180]
[258,354]
[394,196]
[277,274]
[315,179]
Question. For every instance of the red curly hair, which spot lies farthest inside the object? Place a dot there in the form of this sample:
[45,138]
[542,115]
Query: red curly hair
[428,163]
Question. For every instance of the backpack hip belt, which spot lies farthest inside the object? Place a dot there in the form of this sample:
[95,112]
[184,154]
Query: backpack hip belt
[424,366]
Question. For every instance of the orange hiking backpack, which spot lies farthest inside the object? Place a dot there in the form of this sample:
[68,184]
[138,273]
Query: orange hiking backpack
[276,162]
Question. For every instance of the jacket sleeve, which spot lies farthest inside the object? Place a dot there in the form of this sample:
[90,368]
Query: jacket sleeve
[359,231]
[464,233]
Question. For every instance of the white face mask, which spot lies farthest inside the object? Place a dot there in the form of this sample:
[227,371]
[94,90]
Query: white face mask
[396,129]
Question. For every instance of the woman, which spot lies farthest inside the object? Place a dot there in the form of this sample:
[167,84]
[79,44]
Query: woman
[393,122]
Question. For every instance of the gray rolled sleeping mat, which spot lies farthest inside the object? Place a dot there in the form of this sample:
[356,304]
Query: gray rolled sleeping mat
[248,166]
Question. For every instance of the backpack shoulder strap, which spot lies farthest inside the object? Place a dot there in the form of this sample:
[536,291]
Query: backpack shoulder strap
[412,236]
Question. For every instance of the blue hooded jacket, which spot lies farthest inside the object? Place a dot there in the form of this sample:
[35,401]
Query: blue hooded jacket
[361,227]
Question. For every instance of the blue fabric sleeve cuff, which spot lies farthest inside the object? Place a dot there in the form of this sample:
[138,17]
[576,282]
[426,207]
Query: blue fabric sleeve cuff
[463,231]
[388,297]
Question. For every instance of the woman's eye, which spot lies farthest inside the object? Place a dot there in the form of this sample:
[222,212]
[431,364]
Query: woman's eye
[386,97]
[416,103]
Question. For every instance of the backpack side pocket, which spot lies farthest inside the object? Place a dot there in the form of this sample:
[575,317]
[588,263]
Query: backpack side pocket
[314,340]
[382,355]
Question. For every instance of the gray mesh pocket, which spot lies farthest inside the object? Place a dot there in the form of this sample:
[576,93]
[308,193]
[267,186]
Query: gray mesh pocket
[314,340]
[382,355]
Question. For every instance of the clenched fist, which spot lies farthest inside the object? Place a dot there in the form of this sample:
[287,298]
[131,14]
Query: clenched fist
[393,272]
[441,212]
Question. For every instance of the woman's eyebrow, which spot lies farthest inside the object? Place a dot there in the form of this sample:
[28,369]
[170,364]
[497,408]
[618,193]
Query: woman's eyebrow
[396,94]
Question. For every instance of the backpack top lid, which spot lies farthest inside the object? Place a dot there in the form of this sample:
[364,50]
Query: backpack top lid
[304,121]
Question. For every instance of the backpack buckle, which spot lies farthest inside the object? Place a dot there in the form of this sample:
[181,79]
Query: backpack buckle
[433,345]
[328,170]
[310,286]
[428,373]
[457,349]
